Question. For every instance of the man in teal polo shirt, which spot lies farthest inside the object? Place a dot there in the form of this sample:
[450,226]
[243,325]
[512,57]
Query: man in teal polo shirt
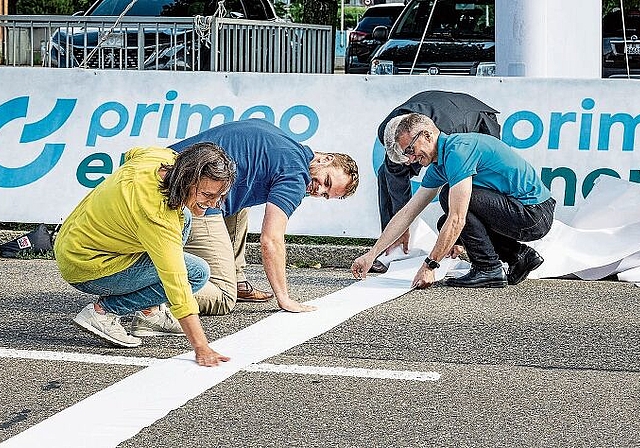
[492,198]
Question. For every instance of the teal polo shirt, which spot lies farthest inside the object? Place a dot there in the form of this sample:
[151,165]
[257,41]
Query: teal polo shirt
[490,163]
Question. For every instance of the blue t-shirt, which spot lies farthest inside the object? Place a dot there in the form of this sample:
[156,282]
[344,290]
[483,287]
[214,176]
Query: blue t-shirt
[271,166]
[490,162]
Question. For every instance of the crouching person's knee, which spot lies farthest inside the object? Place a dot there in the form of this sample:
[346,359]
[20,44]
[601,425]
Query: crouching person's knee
[213,301]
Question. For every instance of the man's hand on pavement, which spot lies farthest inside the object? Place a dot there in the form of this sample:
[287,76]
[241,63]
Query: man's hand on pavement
[295,307]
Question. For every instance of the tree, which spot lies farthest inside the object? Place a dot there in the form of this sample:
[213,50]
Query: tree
[51,7]
[320,12]
[610,5]
[294,11]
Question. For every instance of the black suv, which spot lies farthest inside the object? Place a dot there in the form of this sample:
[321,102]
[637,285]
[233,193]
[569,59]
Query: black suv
[361,42]
[614,51]
[166,46]
[459,40]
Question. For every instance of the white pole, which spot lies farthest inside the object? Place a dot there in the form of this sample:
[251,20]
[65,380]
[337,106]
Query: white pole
[342,38]
[549,38]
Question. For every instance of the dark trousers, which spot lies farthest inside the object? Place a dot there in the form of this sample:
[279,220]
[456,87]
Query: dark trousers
[393,178]
[496,223]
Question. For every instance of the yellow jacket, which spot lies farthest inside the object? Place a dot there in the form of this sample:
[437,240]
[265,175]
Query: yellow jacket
[121,219]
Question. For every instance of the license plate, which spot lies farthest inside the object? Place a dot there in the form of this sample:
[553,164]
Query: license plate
[113,40]
[633,48]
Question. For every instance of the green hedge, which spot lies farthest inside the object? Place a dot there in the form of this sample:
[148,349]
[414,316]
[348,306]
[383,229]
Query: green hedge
[351,16]
[351,13]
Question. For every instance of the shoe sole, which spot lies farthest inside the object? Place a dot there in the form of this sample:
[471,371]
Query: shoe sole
[105,337]
[481,285]
[144,333]
[531,268]
[253,300]
[382,269]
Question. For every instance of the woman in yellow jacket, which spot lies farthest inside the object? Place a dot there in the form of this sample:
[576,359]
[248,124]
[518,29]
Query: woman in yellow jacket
[124,242]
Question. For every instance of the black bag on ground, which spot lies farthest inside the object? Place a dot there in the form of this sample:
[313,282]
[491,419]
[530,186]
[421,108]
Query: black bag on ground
[36,242]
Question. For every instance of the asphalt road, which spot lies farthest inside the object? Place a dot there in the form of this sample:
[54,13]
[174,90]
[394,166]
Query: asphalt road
[548,363]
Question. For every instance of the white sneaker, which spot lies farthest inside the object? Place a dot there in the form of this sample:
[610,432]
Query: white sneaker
[160,323]
[105,326]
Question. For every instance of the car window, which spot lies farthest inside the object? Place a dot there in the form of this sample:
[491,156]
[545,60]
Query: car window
[234,9]
[612,24]
[383,11]
[367,24]
[185,8]
[151,8]
[462,19]
[256,9]
[259,10]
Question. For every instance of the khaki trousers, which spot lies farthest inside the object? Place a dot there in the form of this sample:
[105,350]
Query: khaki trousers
[238,227]
[221,243]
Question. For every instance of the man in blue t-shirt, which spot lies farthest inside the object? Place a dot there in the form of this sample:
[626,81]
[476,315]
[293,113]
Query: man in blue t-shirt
[272,169]
[492,198]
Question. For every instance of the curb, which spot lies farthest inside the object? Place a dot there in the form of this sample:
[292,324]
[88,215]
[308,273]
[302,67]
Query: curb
[8,235]
[303,255]
[298,255]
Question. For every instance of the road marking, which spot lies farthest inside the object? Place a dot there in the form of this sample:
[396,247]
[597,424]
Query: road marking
[406,375]
[77,357]
[169,384]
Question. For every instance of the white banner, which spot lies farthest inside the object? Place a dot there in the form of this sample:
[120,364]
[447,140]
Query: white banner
[63,130]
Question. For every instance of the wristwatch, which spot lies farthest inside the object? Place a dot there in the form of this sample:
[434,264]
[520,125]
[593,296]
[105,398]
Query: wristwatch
[431,264]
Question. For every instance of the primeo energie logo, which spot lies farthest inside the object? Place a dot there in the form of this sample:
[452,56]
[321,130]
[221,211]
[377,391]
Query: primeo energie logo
[32,132]
[525,129]
[114,118]
[573,139]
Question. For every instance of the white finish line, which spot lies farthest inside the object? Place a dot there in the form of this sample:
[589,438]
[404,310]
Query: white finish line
[110,416]
[406,375]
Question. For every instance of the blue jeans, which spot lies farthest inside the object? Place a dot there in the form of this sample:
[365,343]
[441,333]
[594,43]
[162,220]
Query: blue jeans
[139,287]
[496,223]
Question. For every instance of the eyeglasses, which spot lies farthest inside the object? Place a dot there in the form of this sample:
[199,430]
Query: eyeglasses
[409,150]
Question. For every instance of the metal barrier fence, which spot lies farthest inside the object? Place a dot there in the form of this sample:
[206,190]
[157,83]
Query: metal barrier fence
[161,43]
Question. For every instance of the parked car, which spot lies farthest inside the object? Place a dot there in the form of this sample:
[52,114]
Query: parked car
[459,39]
[615,50]
[165,46]
[361,42]
[237,9]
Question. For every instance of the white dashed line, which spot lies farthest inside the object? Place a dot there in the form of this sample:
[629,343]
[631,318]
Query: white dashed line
[77,357]
[406,375]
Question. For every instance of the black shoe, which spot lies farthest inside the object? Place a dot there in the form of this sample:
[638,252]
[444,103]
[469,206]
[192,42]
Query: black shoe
[378,267]
[477,278]
[527,261]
